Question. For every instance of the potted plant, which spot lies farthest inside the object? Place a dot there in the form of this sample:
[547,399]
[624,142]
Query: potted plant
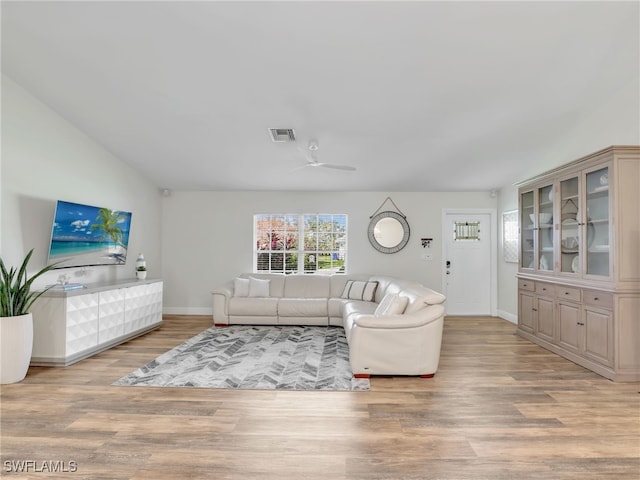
[16,323]
[141,272]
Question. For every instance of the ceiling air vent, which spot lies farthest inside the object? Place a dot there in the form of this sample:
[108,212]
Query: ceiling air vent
[282,134]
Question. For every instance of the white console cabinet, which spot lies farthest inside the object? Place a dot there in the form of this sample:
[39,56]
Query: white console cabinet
[69,326]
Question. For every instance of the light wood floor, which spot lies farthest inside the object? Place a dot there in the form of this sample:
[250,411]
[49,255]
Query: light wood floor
[498,408]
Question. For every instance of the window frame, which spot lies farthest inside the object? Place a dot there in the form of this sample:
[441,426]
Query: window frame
[510,236]
[337,236]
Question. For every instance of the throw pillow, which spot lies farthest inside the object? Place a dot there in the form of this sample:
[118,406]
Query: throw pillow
[360,290]
[357,288]
[347,288]
[258,287]
[369,292]
[384,304]
[391,304]
[241,287]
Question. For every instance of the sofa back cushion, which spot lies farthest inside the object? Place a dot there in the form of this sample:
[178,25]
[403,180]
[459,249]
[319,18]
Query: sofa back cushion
[385,285]
[276,284]
[307,286]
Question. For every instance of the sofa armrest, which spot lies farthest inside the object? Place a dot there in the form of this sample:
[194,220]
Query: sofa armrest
[221,296]
[422,317]
[225,290]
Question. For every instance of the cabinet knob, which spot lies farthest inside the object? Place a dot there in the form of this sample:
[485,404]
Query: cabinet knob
[595,299]
[566,293]
[580,323]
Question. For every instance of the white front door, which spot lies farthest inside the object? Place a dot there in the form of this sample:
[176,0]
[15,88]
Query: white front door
[468,243]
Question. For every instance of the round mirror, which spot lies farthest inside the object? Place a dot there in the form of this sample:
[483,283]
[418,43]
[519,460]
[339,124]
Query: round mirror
[388,232]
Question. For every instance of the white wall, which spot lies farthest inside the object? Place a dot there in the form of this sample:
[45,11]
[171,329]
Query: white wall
[207,236]
[507,282]
[615,122]
[44,159]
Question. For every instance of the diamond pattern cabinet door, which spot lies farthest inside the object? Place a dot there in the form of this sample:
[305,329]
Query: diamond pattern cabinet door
[82,323]
[143,306]
[111,324]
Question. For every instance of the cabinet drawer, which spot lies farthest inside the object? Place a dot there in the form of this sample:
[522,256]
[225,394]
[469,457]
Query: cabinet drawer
[526,285]
[568,293]
[545,289]
[598,299]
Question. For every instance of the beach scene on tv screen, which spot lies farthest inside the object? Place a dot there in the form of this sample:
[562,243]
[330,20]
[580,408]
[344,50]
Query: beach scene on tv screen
[84,235]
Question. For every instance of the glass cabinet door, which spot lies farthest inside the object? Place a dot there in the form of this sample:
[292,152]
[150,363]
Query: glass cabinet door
[597,222]
[527,230]
[570,226]
[544,228]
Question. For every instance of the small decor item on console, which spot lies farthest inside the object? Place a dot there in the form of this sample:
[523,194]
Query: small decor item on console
[140,261]
[141,267]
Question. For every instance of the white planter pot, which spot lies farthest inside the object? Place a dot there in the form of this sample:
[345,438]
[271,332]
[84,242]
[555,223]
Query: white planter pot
[16,344]
[141,275]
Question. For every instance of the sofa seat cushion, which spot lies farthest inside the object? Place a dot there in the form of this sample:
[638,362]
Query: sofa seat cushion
[248,306]
[358,307]
[336,307]
[303,307]
[354,309]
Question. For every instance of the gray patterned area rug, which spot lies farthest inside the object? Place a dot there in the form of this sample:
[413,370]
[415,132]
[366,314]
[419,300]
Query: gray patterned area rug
[255,357]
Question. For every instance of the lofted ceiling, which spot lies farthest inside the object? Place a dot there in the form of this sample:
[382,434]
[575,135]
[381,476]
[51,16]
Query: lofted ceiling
[418,96]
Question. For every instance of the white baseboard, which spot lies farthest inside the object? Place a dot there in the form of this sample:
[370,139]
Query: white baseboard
[187,311]
[510,317]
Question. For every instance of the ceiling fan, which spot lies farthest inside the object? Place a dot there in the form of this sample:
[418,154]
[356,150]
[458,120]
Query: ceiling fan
[312,158]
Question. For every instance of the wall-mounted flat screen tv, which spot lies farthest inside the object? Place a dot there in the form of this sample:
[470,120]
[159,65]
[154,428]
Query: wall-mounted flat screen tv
[83,235]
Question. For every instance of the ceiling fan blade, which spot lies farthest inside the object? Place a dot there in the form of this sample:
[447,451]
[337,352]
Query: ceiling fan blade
[312,160]
[337,167]
[301,167]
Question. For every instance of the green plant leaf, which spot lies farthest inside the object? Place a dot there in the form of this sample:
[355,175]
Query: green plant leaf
[16,296]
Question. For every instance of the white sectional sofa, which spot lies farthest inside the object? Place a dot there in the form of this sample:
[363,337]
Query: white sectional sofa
[393,326]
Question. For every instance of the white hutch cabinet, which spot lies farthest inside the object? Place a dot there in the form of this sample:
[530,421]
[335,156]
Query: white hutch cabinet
[69,326]
[579,271]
